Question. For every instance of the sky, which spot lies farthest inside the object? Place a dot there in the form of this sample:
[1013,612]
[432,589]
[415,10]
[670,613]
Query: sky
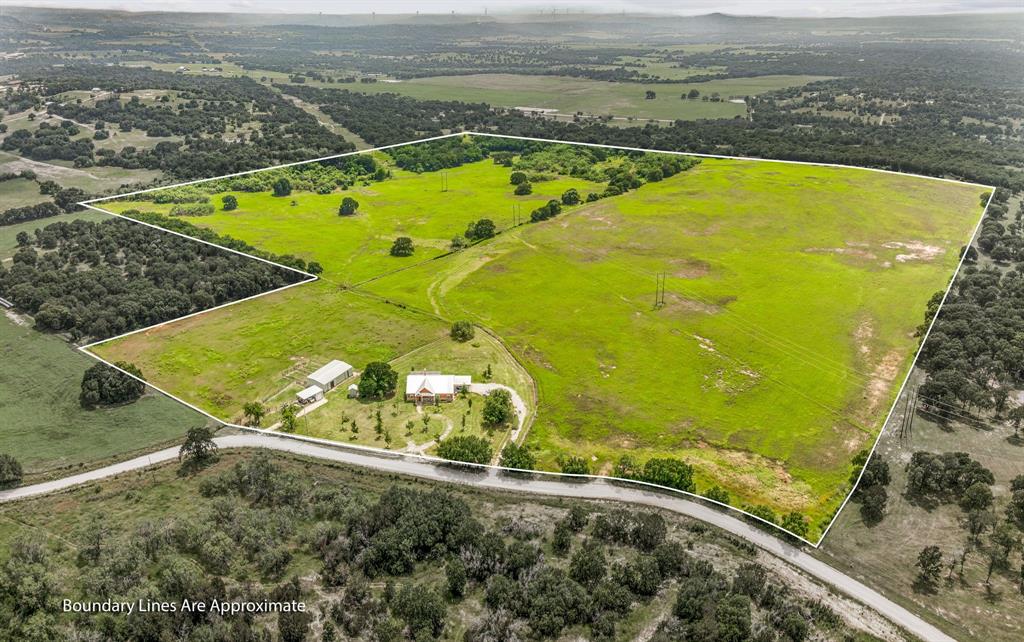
[808,8]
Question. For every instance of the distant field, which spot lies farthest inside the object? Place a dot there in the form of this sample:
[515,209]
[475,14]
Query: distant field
[570,95]
[92,179]
[792,296]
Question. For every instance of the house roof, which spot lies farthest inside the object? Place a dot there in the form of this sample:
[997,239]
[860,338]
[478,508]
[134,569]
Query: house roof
[433,383]
[309,393]
[330,372]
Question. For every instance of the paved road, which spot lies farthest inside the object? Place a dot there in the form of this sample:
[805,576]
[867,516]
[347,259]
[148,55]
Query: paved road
[595,489]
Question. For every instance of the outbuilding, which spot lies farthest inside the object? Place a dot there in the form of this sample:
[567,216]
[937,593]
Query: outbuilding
[309,395]
[330,375]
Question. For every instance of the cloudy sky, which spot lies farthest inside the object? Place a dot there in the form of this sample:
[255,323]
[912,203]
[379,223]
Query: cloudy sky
[681,7]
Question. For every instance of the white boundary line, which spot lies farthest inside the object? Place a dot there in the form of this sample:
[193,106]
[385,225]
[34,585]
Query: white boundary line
[435,460]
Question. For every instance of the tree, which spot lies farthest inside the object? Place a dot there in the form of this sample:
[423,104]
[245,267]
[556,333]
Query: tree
[282,187]
[1016,417]
[574,465]
[229,203]
[10,471]
[314,268]
[254,413]
[480,230]
[199,449]
[24,240]
[1015,509]
[422,609]
[289,417]
[348,206]
[570,196]
[498,409]
[669,472]
[588,565]
[872,504]
[462,331]
[455,574]
[795,523]
[467,448]
[402,246]
[650,94]
[377,381]
[929,565]
[106,386]
[978,496]
[732,619]
[717,494]
[523,189]
[518,178]
[692,94]
[515,456]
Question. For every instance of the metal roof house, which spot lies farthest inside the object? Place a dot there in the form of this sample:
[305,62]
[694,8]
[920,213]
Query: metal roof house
[434,387]
[330,375]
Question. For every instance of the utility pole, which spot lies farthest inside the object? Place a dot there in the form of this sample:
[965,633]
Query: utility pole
[659,289]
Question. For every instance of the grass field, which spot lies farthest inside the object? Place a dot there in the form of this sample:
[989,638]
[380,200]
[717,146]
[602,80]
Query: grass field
[44,427]
[355,248]
[595,97]
[792,296]
[255,349]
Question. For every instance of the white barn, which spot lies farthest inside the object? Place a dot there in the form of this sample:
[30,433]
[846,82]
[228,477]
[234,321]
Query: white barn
[330,375]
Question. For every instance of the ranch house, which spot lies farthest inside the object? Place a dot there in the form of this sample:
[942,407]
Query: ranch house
[434,387]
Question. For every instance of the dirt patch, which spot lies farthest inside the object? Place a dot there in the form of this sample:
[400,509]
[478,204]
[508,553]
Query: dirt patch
[915,251]
[844,251]
[689,268]
[881,379]
[862,335]
[677,303]
[16,318]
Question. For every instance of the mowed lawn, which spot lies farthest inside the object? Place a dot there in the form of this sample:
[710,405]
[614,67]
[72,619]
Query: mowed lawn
[253,350]
[355,248]
[792,296]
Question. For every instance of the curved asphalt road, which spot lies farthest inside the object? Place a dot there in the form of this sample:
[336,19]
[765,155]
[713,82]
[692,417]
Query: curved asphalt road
[490,478]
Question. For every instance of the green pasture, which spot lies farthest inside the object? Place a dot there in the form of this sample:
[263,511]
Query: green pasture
[355,248]
[787,326]
[569,95]
[787,322]
[252,351]
[42,424]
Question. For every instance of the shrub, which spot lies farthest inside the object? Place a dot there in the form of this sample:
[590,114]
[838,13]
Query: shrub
[462,331]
